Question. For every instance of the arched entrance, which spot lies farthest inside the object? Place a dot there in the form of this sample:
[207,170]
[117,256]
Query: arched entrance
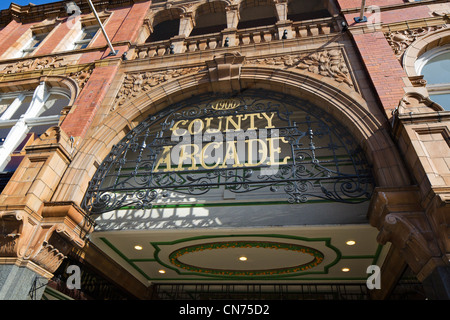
[177,236]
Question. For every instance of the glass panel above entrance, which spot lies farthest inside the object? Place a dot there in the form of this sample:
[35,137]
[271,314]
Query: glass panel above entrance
[248,147]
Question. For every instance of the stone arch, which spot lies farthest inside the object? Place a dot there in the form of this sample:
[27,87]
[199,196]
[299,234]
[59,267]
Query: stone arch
[69,85]
[414,51]
[422,45]
[255,13]
[350,108]
[165,14]
[305,10]
[210,17]
[164,23]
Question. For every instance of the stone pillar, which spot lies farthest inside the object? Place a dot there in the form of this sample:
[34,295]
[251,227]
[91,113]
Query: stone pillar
[285,30]
[21,280]
[232,13]
[401,219]
[187,23]
[282,8]
[178,44]
[35,233]
[229,38]
[284,25]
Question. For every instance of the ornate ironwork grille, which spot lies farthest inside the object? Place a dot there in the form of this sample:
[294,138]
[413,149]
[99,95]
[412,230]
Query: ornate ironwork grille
[253,141]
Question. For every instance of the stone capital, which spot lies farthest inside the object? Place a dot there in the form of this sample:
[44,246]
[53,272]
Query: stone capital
[44,241]
[398,215]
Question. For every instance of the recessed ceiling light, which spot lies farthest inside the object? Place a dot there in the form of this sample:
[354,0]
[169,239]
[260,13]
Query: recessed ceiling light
[351,242]
[138,247]
[243,258]
[162,271]
[345,269]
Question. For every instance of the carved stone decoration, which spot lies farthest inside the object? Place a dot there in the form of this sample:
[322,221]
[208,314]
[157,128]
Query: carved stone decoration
[81,77]
[401,220]
[137,83]
[225,67]
[328,63]
[409,233]
[401,40]
[35,64]
[414,102]
[49,257]
[418,81]
[11,227]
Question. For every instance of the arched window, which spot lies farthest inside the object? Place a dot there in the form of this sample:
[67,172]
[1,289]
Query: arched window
[307,10]
[164,30]
[259,145]
[211,18]
[257,14]
[165,25]
[434,65]
[26,114]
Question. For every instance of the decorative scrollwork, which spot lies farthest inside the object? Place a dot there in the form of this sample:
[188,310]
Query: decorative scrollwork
[318,158]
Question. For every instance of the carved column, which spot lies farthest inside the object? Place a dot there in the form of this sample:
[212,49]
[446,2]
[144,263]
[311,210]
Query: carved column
[36,234]
[282,8]
[229,36]
[284,25]
[232,13]
[402,220]
[187,23]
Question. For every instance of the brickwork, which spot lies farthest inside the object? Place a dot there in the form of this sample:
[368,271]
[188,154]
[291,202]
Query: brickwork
[385,71]
[12,33]
[78,121]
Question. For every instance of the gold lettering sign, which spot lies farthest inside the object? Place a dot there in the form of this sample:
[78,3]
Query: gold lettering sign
[247,151]
[225,105]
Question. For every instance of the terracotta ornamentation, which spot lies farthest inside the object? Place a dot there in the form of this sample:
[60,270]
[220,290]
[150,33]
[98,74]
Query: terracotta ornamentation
[137,83]
[328,63]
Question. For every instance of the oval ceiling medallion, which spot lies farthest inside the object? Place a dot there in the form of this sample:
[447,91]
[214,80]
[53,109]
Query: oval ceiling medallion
[202,258]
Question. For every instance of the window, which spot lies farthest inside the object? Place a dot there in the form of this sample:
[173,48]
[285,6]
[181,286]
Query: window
[23,114]
[164,30]
[34,42]
[86,36]
[434,65]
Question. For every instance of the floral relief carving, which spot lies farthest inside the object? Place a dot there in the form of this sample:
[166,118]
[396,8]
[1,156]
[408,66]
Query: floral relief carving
[81,77]
[35,64]
[135,84]
[328,63]
[401,40]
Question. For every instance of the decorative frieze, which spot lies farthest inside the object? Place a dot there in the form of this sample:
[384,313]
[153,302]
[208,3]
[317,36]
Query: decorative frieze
[401,40]
[328,63]
[81,77]
[35,64]
[136,83]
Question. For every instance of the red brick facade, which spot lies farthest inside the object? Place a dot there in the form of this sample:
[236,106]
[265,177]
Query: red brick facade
[362,74]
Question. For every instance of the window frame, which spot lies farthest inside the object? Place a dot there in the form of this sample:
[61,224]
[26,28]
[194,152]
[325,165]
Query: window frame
[78,44]
[433,89]
[32,117]
[30,47]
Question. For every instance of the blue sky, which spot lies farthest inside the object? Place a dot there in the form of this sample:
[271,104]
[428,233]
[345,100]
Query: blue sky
[4,4]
